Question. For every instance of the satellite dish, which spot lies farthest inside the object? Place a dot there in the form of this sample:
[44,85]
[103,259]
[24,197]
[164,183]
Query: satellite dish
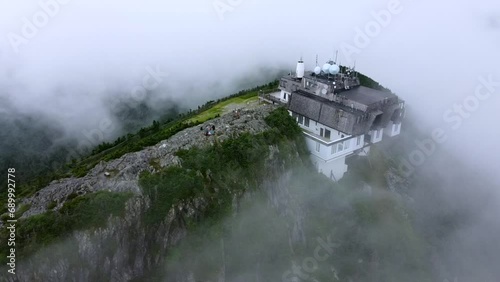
[326,68]
[334,69]
[324,91]
[317,70]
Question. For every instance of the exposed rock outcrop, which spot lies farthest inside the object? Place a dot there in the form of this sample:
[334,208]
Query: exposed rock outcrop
[122,174]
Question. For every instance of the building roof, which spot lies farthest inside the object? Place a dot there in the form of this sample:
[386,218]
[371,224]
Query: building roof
[324,111]
[340,102]
[366,96]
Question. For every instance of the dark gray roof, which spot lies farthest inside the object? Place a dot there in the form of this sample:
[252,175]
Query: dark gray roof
[324,111]
[342,118]
[337,118]
[305,105]
[367,96]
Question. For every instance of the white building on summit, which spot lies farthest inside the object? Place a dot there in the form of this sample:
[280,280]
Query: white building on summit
[338,116]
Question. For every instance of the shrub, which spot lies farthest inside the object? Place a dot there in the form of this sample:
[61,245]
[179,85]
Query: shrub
[52,205]
[172,185]
[281,120]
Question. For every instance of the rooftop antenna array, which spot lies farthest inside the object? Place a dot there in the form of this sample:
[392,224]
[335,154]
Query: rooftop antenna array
[354,69]
[317,69]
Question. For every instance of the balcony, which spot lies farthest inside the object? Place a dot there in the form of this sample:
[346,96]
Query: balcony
[269,98]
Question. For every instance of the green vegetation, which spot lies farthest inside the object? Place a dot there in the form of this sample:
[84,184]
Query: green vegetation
[149,137]
[218,172]
[171,186]
[219,108]
[214,177]
[21,209]
[82,212]
[51,205]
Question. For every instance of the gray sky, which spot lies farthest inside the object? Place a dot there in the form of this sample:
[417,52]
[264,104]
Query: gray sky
[431,54]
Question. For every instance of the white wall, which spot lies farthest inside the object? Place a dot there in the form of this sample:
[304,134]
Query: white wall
[283,95]
[333,169]
[392,129]
[316,128]
[376,135]
[335,150]
[330,162]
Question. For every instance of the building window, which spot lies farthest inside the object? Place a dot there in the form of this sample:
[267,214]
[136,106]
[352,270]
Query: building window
[321,132]
[346,144]
[334,149]
[358,141]
[301,119]
[341,147]
[284,96]
[318,146]
[378,133]
[306,122]
[327,133]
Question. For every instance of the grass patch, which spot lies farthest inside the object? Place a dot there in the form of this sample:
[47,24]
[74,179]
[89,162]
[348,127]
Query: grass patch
[219,108]
[22,209]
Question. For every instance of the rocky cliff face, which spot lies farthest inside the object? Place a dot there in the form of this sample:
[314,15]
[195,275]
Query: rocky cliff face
[127,248]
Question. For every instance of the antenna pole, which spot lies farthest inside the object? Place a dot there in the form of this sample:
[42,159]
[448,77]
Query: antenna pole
[336,56]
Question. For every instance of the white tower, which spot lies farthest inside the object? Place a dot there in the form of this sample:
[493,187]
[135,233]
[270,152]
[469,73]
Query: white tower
[300,69]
